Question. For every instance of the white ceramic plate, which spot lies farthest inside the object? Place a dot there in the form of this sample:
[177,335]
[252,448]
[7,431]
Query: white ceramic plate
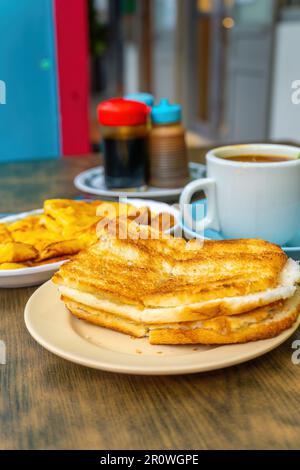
[52,326]
[25,277]
[34,276]
[92,182]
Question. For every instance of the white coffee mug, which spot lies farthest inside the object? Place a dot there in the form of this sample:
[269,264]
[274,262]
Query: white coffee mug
[246,199]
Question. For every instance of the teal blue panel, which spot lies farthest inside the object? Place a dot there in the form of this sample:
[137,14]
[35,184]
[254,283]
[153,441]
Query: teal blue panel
[29,120]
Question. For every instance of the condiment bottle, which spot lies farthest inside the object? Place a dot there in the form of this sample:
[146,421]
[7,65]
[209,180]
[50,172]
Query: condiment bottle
[168,152]
[125,133]
[142,97]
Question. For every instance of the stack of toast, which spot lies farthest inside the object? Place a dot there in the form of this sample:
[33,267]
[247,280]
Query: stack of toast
[146,284]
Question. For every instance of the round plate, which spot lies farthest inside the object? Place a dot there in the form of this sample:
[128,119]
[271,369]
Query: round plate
[51,325]
[36,275]
[92,181]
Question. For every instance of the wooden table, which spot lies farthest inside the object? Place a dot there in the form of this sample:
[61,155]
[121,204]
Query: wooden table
[49,403]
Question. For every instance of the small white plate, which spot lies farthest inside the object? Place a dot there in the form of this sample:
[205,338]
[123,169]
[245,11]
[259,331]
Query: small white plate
[52,326]
[36,275]
[92,182]
[26,277]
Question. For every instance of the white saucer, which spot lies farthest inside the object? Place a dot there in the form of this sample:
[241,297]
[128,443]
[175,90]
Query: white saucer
[92,182]
[52,326]
[36,275]
[291,251]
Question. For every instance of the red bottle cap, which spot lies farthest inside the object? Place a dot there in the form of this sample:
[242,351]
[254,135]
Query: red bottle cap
[122,112]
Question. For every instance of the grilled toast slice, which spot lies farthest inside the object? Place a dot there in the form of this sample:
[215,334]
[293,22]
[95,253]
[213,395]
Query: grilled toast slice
[169,272]
[261,323]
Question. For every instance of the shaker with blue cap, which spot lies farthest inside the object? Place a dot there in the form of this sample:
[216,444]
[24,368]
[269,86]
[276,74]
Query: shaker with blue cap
[168,152]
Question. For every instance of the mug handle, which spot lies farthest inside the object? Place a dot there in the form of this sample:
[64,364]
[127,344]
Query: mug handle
[208,185]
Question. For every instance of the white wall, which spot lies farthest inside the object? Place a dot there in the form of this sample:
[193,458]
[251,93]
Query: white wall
[164,49]
[285,116]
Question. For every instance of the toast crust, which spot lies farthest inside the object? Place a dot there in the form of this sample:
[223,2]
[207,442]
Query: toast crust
[261,323]
[223,330]
[202,336]
[106,320]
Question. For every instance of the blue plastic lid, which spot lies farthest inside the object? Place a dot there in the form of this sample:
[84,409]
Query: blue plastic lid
[142,97]
[166,113]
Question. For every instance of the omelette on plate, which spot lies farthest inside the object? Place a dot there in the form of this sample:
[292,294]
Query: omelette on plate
[63,229]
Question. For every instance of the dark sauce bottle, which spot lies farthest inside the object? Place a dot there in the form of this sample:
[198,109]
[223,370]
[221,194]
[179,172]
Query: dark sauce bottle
[124,126]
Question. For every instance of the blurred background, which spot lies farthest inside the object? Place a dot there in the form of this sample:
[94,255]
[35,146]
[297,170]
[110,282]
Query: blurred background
[229,63]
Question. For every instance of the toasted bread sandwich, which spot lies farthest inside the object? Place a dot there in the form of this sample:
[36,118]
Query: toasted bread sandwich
[150,284]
